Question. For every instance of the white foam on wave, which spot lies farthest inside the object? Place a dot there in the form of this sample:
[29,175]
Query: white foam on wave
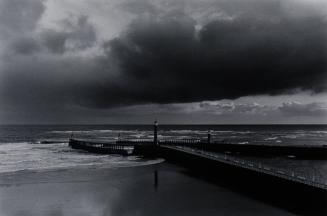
[182,131]
[244,132]
[223,131]
[67,132]
[91,131]
[271,138]
[246,142]
[291,136]
[319,132]
[26,156]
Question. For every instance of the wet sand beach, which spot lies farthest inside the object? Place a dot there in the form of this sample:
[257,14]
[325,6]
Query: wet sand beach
[160,189]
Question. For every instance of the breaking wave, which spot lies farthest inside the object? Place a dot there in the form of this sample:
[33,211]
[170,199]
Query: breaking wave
[26,156]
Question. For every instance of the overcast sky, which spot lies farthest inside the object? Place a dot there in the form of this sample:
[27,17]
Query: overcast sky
[178,61]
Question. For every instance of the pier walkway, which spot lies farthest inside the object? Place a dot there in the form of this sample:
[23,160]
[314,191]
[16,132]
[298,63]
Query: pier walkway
[250,165]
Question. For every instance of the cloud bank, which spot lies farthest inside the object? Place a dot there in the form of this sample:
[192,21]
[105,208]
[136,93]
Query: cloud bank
[168,52]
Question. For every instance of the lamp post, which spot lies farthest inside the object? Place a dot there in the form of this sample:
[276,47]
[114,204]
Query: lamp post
[155,135]
[209,137]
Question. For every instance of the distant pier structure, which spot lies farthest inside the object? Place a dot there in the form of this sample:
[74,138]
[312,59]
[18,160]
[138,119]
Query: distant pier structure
[208,144]
[208,150]
[217,157]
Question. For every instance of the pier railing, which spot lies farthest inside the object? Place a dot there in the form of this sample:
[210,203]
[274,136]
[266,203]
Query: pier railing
[134,142]
[255,166]
[188,142]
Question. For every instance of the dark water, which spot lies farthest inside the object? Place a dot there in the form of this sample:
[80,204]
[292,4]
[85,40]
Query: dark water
[281,134]
[20,147]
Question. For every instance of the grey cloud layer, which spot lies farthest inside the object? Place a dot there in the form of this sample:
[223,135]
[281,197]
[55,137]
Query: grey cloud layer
[19,17]
[229,111]
[299,109]
[168,54]
[292,109]
[78,34]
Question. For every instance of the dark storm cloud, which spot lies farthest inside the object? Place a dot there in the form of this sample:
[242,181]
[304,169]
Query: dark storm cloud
[165,59]
[163,56]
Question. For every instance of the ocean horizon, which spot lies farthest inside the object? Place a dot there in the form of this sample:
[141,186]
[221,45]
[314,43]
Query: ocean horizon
[46,146]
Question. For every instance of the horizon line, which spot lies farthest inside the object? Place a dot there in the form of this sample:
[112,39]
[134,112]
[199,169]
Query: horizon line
[164,124]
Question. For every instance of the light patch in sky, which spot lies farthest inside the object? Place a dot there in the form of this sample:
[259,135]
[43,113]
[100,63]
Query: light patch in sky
[106,16]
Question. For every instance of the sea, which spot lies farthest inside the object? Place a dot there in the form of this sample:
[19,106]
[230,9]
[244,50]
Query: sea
[45,147]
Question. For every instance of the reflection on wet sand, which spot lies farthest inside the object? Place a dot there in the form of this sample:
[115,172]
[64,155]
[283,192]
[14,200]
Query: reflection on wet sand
[156,179]
[123,191]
